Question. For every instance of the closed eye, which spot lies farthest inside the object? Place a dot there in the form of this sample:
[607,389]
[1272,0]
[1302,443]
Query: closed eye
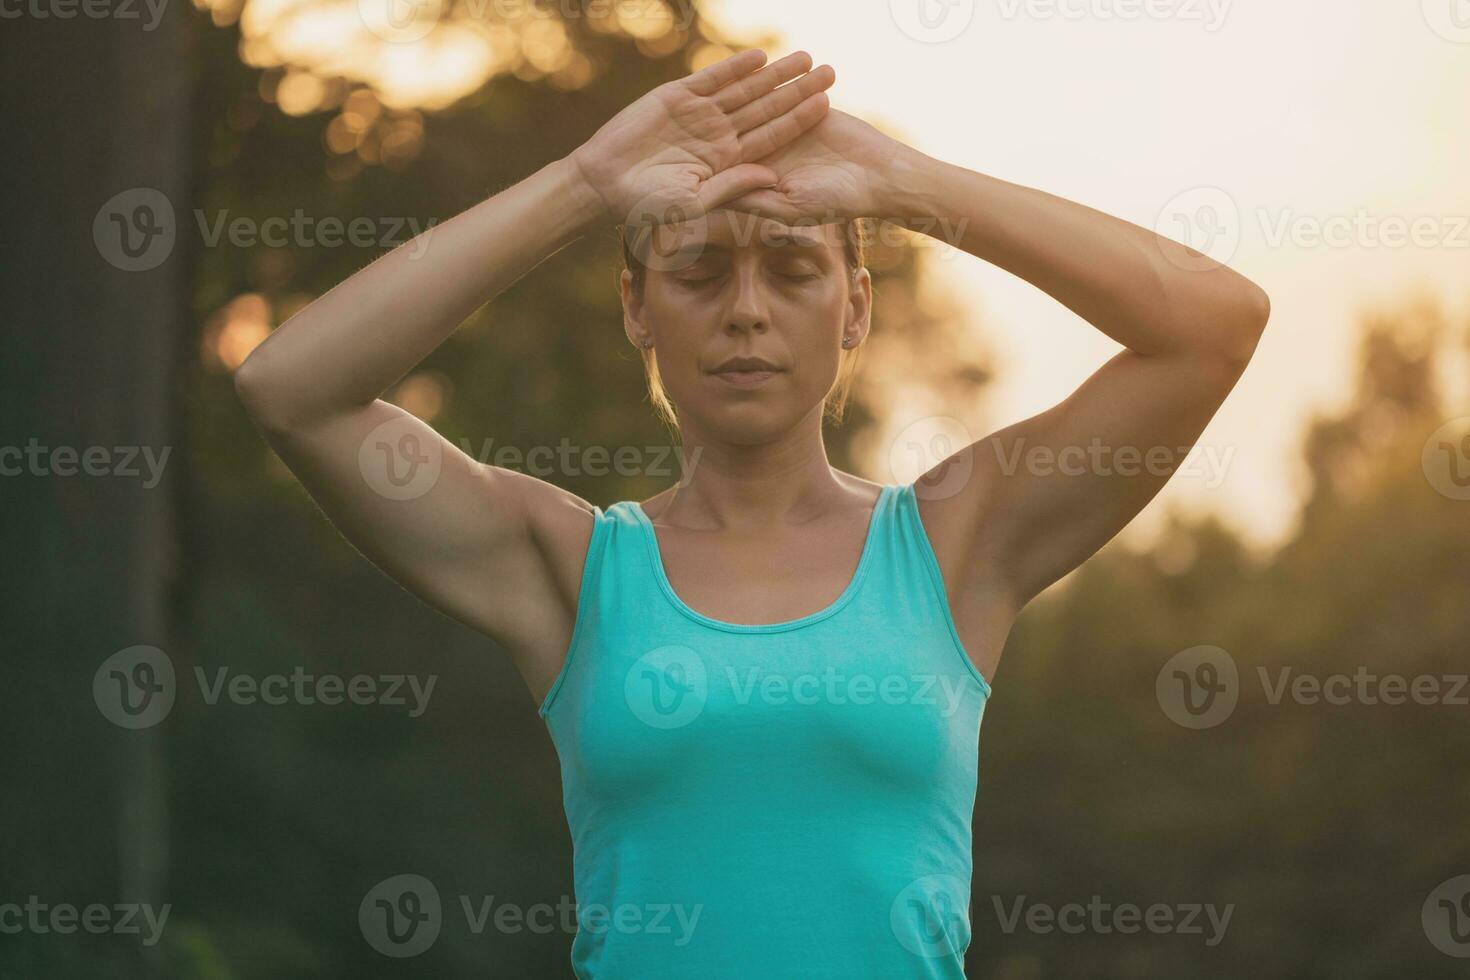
[694,282]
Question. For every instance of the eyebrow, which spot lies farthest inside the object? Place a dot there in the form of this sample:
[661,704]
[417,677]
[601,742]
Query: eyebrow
[696,250]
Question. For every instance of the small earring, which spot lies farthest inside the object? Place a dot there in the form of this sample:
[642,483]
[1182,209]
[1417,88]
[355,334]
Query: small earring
[846,341]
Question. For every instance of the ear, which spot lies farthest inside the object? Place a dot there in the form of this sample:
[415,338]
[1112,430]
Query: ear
[632,312]
[859,307]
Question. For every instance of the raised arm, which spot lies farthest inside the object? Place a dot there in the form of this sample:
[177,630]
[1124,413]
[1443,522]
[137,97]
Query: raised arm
[1044,494]
[496,549]
[1048,491]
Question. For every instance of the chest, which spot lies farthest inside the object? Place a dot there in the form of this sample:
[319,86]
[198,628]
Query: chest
[760,579]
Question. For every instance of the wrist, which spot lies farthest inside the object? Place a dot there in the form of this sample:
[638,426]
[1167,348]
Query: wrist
[588,208]
[908,195]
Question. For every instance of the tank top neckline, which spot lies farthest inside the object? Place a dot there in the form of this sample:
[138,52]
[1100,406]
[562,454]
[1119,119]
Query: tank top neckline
[655,557]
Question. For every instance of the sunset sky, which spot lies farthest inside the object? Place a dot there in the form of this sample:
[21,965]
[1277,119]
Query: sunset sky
[1320,149]
[1299,112]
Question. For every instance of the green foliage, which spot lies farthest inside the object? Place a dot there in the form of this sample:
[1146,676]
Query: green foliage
[1326,826]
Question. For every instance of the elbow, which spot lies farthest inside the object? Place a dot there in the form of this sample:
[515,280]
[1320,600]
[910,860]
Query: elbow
[249,383]
[1242,327]
[254,388]
[1257,308]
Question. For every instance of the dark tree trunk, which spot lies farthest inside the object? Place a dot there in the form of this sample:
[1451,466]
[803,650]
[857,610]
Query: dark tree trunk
[89,357]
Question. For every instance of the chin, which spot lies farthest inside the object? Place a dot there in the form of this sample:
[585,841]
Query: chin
[749,424]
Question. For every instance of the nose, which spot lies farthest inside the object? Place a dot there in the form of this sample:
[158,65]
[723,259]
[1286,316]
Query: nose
[748,310]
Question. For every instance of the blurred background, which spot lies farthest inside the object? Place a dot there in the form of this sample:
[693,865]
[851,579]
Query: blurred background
[1252,704]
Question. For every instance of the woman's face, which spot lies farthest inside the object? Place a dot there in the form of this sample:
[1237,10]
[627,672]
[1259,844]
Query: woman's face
[736,287]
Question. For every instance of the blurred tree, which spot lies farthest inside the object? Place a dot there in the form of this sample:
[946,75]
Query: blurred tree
[1326,825]
[93,298]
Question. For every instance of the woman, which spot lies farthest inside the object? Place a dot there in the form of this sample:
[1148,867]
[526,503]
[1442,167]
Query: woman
[764,684]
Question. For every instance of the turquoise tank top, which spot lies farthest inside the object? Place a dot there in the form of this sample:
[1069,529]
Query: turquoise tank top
[780,800]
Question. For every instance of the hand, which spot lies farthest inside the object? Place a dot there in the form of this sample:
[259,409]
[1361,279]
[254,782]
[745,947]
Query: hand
[840,169]
[689,145]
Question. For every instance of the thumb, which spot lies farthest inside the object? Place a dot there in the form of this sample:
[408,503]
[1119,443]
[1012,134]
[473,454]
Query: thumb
[732,183]
[764,202]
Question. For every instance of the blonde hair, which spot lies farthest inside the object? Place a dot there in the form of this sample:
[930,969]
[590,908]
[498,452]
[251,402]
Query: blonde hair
[855,236]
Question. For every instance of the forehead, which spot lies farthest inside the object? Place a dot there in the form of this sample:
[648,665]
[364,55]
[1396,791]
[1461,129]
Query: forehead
[722,232]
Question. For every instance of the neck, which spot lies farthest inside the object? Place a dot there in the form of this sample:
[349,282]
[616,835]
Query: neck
[728,486]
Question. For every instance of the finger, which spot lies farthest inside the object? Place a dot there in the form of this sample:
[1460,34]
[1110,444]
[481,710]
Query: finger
[710,80]
[783,100]
[764,202]
[741,179]
[767,139]
[752,87]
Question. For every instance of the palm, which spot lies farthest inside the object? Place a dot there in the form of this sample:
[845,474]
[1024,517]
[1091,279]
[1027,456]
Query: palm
[690,144]
[693,141]
[831,173]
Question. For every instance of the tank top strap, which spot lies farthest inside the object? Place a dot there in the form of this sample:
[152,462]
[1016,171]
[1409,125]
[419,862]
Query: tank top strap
[616,582]
[906,571]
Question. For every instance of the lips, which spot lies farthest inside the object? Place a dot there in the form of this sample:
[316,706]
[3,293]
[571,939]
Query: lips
[746,364]
[746,372]
[746,379]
